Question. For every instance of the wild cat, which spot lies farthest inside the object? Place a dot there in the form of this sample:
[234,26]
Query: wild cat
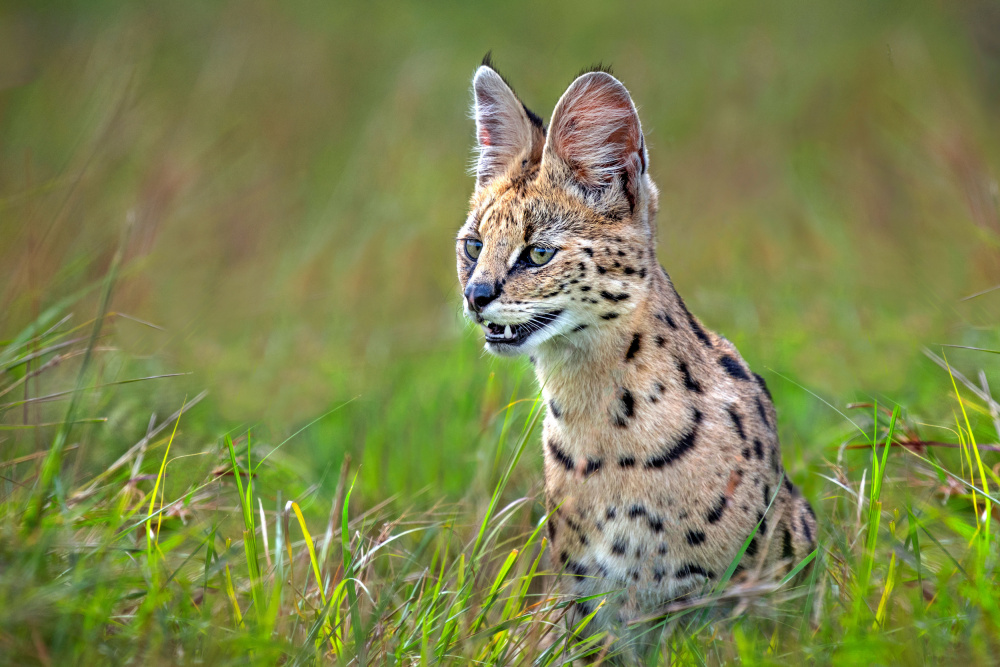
[661,453]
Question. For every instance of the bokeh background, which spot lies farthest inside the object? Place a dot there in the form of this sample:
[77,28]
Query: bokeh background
[288,177]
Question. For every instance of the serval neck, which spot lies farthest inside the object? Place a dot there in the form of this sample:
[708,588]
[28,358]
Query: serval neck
[584,376]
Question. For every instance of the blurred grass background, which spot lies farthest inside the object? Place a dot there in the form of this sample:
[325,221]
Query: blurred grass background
[295,173]
[288,178]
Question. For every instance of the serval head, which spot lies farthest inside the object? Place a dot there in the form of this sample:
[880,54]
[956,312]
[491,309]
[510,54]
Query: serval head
[559,240]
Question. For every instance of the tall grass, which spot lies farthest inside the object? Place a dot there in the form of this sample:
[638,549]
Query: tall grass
[191,553]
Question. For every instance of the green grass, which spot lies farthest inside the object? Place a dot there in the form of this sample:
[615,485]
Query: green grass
[220,553]
[240,416]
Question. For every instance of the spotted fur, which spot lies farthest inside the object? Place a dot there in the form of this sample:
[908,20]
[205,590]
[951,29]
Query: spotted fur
[660,447]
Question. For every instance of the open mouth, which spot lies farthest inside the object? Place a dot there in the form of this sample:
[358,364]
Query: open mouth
[515,334]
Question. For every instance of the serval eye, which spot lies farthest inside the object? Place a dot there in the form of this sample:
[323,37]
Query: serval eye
[539,256]
[473,248]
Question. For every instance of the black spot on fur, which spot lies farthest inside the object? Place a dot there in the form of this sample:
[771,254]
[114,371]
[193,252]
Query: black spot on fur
[585,607]
[786,544]
[619,546]
[658,574]
[767,494]
[690,569]
[585,288]
[733,367]
[695,537]
[752,547]
[551,526]
[655,524]
[628,409]
[576,569]
[629,270]
[601,269]
[562,457]
[805,526]
[715,513]
[589,251]
[563,557]
[763,385]
[609,316]
[593,465]
[660,340]
[758,449]
[554,409]
[626,461]
[634,346]
[788,484]
[636,511]
[575,527]
[662,549]
[695,327]
[762,413]
[684,444]
[666,319]
[762,520]
[611,513]
[746,452]
[621,296]
[689,383]
[578,327]
[737,422]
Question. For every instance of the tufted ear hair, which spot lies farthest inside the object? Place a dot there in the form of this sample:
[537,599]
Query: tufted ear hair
[507,133]
[595,131]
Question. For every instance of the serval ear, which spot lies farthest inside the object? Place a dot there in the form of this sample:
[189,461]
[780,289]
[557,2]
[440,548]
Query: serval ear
[508,134]
[596,134]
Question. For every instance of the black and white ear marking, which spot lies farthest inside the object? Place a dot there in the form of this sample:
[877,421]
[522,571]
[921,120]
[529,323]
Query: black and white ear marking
[507,134]
[595,131]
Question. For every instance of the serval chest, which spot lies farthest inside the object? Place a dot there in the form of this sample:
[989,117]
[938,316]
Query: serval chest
[660,460]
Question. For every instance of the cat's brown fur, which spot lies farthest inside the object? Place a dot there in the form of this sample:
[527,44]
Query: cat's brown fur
[660,444]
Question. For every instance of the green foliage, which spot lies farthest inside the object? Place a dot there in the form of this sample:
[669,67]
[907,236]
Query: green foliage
[259,201]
